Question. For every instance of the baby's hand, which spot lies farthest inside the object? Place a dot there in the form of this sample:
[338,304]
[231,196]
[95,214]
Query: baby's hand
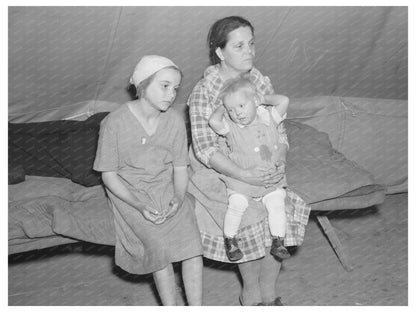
[221,110]
[259,99]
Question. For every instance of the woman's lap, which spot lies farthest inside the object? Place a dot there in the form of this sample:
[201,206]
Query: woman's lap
[253,241]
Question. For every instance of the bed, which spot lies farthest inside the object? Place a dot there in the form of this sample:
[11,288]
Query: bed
[56,198]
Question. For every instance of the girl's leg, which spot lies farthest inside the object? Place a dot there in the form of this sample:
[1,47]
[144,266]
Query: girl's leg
[165,284]
[269,272]
[250,273]
[192,280]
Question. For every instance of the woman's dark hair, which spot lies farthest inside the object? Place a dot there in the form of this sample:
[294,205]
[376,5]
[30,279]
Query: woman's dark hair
[218,34]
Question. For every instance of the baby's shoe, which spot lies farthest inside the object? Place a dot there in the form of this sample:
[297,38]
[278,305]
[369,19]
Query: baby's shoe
[231,248]
[278,249]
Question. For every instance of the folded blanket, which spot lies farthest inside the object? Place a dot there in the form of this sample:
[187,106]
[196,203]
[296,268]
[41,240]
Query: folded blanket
[371,132]
[318,172]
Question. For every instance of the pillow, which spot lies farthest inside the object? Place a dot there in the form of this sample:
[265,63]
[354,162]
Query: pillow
[317,172]
[35,187]
[61,148]
[83,142]
[370,132]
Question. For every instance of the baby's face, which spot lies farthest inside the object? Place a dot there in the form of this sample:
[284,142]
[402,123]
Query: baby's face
[241,107]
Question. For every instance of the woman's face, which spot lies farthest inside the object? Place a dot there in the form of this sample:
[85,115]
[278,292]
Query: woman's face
[161,92]
[238,54]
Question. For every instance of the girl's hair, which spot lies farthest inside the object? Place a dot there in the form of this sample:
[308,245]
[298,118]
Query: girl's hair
[138,91]
[218,34]
[235,85]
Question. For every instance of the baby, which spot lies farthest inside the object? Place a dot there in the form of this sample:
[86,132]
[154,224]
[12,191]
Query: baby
[251,132]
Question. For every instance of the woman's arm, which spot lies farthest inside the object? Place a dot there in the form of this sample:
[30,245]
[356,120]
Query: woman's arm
[254,176]
[115,186]
[282,147]
[204,138]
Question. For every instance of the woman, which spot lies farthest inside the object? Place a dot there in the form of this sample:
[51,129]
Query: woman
[231,52]
[143,155]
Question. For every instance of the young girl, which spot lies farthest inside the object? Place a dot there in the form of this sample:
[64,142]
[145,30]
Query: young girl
[252,136]
[142,154]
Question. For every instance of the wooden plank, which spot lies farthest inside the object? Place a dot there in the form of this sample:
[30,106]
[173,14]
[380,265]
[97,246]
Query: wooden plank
[334,241]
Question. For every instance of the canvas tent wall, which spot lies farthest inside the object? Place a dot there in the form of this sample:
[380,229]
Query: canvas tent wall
[64,59]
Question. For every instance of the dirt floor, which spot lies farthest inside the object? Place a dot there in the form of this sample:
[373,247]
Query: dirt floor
[375,238]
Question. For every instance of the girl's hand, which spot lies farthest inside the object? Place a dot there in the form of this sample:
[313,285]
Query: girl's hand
[174,205]
[153,215]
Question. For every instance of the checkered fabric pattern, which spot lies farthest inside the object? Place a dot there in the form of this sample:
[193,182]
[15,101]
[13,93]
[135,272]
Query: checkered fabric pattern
[255,238]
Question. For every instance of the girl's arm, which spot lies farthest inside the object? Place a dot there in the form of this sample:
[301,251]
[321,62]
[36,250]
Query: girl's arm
[115,186]
[180,181]
[180,185]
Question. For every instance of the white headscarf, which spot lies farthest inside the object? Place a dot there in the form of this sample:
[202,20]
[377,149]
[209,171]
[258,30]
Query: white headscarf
[147,66]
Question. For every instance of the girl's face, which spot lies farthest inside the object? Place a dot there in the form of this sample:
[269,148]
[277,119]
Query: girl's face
[241,107]
[161,92]
[238,54]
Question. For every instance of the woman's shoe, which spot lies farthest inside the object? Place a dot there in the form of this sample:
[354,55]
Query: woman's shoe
[240,299]
[275,302]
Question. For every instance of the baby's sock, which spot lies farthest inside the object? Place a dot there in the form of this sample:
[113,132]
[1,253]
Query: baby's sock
[275,205]
[236,208]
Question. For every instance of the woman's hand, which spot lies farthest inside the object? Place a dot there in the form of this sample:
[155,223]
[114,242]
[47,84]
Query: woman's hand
[281,166]
[256,175]
[262,177]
